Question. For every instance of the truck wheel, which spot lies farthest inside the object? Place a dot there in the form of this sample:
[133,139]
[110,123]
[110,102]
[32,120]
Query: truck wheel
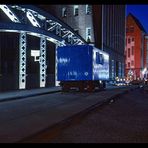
[90,87]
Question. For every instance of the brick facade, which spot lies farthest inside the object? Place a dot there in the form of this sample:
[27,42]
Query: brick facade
[134,51]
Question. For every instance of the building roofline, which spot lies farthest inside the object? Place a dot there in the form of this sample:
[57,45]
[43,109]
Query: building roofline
[137,22]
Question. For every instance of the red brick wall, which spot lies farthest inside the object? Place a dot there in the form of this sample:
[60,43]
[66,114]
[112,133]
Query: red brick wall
[137,34]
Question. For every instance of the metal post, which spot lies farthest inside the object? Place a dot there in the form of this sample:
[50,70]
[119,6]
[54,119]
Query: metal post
[42,61]
[56,59]
[56,82]
[22,60]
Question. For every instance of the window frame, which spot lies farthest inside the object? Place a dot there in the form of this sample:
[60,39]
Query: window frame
[88,33]
[128,52]
[64,12]
[76,10]
[132,50]
[88,9]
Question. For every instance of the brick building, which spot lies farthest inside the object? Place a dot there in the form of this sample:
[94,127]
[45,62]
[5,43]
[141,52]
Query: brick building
[134,51]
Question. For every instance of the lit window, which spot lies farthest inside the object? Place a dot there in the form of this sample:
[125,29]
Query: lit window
[132,50]
[129,40]
[112,69]
[132,39]
[88,34]
[128,52]
[64,12]
[128,64]
[88,9]
[76,10]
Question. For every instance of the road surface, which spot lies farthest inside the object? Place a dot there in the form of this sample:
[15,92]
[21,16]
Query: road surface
[124,120]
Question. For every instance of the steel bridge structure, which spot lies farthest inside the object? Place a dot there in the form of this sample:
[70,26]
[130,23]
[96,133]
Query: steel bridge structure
[29,19]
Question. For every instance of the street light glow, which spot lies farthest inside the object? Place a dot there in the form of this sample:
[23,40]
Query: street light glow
[144,70]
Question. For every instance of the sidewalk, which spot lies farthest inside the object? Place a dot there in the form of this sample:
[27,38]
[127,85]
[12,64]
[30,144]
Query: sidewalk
[18,94]
[20,120]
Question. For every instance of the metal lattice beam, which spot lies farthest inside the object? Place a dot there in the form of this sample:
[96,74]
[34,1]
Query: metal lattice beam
[28,19]
[22,61]
[43,21]
[43,65]
[32,19]
[9,13]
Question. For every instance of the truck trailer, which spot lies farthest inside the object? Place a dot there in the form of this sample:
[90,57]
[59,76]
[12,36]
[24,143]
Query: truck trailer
[83,67]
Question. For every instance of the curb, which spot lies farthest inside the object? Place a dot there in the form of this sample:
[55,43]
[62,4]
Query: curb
[32,95]
[26,96]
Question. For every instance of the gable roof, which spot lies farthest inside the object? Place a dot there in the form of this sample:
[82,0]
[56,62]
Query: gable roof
[137,22]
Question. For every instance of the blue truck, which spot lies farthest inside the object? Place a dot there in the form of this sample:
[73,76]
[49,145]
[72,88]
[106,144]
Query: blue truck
[83,67]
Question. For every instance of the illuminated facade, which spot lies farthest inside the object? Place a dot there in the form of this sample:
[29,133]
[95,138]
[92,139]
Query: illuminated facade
[145,70]
[100,26]
[134,51]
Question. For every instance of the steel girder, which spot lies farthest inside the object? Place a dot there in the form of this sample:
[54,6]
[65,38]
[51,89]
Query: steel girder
[28,19]
[22,61]
[34,20]
[42,61]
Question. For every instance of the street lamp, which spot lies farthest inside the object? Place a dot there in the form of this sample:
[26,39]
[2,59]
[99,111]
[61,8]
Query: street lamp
[144,70]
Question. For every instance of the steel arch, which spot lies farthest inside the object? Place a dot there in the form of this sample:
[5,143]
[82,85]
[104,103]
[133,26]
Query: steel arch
[37,22]
[28,19]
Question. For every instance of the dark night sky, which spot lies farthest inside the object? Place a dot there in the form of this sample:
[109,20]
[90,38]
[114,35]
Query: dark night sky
[140,12]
